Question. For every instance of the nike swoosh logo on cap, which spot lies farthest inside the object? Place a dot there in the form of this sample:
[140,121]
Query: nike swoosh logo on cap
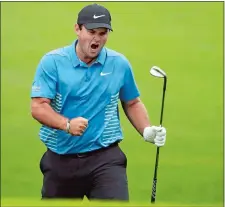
[96,17]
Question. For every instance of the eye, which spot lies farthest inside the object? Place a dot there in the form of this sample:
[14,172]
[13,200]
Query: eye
[103,33]
[91,31]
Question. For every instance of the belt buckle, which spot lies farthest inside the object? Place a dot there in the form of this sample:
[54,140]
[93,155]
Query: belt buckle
[81,155]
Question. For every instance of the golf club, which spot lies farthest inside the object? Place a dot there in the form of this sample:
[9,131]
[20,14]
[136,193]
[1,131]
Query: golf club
[159,73]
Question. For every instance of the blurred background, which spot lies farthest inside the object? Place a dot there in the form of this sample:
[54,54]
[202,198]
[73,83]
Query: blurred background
[185,39]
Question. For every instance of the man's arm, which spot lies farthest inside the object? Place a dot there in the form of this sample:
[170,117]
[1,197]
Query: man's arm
[137,114]
[43,113]
[136,111]
[43,90]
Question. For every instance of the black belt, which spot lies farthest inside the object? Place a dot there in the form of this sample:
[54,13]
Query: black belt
[86,154]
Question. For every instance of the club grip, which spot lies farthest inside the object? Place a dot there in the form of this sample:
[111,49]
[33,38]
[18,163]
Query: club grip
[153,190]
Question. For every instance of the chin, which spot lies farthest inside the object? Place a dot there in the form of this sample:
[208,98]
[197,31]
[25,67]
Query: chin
[94,55]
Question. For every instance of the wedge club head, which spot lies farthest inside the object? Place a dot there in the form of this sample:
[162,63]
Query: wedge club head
[157,72]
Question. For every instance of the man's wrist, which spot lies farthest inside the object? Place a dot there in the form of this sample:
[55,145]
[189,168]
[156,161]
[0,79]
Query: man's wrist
[68,126]
[63,125]
[149,134]
[145,130]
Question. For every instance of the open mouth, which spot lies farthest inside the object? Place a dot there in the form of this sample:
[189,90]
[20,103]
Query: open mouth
[94,46]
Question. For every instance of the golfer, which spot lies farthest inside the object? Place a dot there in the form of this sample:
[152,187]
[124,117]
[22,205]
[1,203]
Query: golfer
[75,96]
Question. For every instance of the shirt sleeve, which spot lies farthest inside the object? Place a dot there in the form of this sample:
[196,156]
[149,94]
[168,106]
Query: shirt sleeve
[44,83]
[129,90]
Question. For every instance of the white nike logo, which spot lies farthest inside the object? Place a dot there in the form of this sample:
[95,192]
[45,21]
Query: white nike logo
[96,17]
[103,74]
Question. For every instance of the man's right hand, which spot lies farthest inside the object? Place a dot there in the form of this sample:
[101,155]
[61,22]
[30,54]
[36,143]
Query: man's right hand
[78,126]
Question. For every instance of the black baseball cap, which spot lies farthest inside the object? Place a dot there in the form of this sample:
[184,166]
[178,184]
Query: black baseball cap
[94,16]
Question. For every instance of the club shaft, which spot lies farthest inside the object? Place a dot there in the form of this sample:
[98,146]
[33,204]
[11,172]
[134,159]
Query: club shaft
[153,196]
[163,98]
[155,177]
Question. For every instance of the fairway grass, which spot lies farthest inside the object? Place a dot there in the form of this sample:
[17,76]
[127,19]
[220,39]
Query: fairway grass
[65,203]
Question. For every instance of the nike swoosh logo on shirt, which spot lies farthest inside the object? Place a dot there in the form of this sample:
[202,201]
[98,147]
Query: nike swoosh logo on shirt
[96,17]
[103,74]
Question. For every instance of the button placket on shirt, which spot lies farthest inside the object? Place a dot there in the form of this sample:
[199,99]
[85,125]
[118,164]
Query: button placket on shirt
[88,74]
[89,71]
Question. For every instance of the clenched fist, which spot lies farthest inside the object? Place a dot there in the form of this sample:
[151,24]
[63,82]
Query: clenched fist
[77,126]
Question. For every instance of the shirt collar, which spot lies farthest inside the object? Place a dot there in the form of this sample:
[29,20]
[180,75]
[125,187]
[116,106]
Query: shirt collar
[76,61]
[74,57]
[102,56]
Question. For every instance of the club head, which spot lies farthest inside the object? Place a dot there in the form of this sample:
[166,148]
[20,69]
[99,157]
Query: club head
[157,72]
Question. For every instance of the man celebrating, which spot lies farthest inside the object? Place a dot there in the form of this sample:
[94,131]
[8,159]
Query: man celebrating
[75,96]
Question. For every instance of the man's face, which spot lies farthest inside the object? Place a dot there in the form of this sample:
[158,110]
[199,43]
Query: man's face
[91,41]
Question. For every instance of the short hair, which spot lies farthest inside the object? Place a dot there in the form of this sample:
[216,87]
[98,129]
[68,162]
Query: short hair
[80,26]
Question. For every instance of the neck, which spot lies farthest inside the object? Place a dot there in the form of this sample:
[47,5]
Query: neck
[82,56]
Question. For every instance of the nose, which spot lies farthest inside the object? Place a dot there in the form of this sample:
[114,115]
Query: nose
[97,37]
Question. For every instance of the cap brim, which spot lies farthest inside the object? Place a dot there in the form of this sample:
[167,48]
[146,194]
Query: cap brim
[97,25]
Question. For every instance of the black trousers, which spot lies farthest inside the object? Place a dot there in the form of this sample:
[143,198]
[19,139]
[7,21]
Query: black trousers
[100,174]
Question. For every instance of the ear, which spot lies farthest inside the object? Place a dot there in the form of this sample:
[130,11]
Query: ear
[77,29]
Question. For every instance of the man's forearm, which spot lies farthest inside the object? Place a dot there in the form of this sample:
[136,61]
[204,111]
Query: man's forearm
[47,116]
[137,115]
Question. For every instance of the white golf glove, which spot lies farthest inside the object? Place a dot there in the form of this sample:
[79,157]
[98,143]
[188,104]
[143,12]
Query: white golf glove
[155,135]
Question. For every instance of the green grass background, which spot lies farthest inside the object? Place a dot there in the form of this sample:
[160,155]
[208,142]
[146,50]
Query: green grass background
[183,38]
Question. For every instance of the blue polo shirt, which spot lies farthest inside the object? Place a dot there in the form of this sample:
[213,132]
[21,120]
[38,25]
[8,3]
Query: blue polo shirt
[79,90]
